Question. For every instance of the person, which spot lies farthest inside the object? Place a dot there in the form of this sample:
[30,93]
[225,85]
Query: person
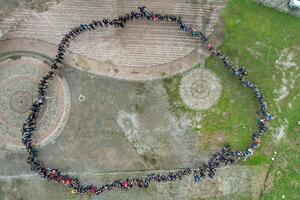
[240,72]
[154,18]
[125,184]
[142,8]
[92,189]
[197,178]
[269,117]
[186,28]
[209,45]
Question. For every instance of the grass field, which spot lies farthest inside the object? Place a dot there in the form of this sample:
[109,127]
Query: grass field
[267,43]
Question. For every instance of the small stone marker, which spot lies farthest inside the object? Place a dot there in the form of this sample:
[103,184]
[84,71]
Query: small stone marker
[81,98]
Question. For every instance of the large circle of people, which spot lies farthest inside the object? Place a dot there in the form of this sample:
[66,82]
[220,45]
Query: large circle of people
[225,156]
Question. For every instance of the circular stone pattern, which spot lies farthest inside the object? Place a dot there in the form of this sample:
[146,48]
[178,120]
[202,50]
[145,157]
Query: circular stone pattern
[19,77]
[21,101]
[200,89]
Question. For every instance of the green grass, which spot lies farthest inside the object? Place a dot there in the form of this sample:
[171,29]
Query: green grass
[254,37]
[177,106]
[245,23]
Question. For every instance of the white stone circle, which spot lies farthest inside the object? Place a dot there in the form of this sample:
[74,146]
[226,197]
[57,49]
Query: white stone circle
[81,98]
[200,89]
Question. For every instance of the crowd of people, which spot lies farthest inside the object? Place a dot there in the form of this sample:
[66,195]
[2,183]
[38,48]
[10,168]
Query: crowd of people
[225,156]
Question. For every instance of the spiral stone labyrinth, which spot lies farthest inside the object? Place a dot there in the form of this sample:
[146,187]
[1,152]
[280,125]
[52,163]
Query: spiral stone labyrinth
[19,77]
[200,89]
[21,101]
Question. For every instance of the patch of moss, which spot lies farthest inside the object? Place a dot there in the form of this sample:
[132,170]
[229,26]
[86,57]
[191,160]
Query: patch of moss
[176,105]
